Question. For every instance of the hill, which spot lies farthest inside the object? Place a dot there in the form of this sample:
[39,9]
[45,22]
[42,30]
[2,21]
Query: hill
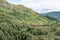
[21,23]
[55,14]
[24,14]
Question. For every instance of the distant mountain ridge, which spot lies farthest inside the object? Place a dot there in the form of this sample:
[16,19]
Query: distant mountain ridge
[54,14]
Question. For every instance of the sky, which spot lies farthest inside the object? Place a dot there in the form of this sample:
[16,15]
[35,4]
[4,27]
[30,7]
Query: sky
[40,6]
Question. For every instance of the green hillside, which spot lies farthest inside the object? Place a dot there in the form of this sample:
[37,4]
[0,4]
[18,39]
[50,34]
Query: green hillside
[21,23]
[25,14]
[3,1]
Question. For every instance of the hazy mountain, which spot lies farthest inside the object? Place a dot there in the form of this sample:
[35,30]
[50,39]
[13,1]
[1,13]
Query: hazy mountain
[54,14]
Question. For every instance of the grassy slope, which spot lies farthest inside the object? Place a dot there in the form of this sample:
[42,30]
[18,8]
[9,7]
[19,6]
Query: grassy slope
[25,14]
[14,20]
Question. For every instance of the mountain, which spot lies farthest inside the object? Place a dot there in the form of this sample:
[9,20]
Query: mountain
[55,14]
[21,23]
[23,14]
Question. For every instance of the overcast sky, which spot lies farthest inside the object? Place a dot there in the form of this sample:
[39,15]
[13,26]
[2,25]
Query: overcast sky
[40,6]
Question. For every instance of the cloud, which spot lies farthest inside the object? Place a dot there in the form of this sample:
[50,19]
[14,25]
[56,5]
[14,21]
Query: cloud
[40,6]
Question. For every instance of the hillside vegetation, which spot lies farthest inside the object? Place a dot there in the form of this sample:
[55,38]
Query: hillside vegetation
[20,23]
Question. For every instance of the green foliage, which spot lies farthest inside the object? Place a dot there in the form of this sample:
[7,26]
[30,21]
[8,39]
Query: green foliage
[20,23]
[2,1]
[51,18]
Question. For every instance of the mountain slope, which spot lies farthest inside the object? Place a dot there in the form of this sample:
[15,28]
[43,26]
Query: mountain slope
[55,14]
[24,14]
[15,23]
